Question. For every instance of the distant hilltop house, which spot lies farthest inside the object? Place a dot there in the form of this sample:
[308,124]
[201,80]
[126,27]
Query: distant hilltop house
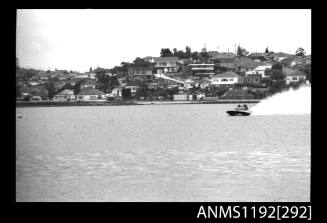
[295,76]
[278,57]
[257,56]
[166,65]
[65,95]
[90,94]
[259,70]
[226,79]
[202,70]
[140,73]
[223,57]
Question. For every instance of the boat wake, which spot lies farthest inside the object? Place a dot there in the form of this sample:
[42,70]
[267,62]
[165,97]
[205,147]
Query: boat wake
[286,103]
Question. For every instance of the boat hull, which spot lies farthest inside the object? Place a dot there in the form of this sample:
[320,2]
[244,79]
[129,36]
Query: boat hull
[238,113]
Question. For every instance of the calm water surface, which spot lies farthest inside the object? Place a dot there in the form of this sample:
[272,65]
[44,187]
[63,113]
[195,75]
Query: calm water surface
[160,153]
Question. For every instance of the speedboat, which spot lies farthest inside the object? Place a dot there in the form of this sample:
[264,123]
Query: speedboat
[240,111]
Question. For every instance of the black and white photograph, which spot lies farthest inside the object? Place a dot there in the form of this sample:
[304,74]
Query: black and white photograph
[163,105]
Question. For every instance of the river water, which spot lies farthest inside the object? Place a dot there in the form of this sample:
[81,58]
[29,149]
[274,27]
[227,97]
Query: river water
[190,152]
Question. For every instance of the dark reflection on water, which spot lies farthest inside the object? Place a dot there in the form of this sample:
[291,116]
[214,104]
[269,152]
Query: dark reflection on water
[160,153]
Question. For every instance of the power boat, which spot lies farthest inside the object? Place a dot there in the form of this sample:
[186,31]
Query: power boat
[239,111]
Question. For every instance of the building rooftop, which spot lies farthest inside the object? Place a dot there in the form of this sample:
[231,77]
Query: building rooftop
[90,91]
[226,74]
[297,73]
[66,92]
[166,59]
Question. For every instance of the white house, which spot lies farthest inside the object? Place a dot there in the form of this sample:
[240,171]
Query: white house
[227,78]
[295,76]
[65,95]
[258,70]
[189,84]
[202,70]
[87,94]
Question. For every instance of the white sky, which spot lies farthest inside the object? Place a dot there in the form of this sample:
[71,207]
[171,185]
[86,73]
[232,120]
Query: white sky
[80,39]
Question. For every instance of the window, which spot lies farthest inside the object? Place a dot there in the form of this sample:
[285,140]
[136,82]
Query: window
[231,79]
[294,78]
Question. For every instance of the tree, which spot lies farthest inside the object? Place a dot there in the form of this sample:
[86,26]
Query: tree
[175,52]
[139,62]
[51,89]
[300,52]
[126,93]
[165,52]
[241,51]
[187,52]
[195,55]
[267,51]
[204,54]
[90,69]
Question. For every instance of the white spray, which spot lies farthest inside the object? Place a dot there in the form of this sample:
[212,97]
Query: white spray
[285,103]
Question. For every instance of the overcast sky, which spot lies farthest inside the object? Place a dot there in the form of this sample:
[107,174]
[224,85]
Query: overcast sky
[80,39]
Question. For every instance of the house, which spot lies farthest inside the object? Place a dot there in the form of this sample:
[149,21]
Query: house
[295,77]
[65,95]
[278,57]
[90,94]
[140,73]
[203,84]
[202,70]
[223,57]
[227,78]
[244,64]
[39,95]
[257,56]
[253,79]
[224,67]
[87,83]
[259,70]
[166,65]
[189,83]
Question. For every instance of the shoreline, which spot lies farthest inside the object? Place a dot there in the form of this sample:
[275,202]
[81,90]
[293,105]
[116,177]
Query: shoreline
[121,103]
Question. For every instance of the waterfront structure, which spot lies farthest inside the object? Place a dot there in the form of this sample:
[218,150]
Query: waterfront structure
[202,70]
[132,88]
[295,77]
[65,95]
[226,79]
[117,91]
[259,70]
[88,94]
[140,73]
